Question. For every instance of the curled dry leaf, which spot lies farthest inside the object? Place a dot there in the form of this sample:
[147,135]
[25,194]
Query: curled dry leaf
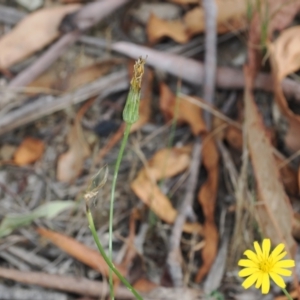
[29,151]
[84,254]
[158,28]
[187,112]
[33,33]
[285,59]
[164,164]
[70,163]
[274,211]
[231,17]
[207,197]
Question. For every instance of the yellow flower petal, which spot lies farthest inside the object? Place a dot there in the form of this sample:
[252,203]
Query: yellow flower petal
[258,250]
[265,287]
[250,280]
[287,263]
[247,271]
[266,246]
[247,263]
[279,257]
[278,249]
[251,255]
[278,280]
[259,280]
[282,272]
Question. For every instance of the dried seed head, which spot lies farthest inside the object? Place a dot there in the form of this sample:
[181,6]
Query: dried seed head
[131,110]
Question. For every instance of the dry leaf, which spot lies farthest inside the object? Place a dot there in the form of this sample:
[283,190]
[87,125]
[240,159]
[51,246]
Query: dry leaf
[285,59]
[88,256]
[207,197]
[70,163]
[274,210]
[231,17]
[32,33]
[234,137]
[187,112]
[29,151]
[158,29]
[164,164]
[288,176]
[75,80]
[143,285]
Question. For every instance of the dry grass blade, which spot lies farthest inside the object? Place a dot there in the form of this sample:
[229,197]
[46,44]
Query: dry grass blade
[273,208]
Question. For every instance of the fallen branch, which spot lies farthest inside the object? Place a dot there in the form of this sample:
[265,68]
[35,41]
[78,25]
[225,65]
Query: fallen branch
[81,286]
[192,71]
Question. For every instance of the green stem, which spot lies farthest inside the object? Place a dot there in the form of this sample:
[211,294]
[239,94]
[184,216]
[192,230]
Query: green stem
[287,294]
[108,261]
[112,199]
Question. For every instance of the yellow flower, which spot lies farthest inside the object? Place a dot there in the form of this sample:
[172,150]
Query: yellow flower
[262,265]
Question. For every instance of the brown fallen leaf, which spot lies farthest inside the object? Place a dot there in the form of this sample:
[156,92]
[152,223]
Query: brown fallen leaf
[274,210]
[267,17]
[187,112]
[29,151]
[207,197]
[231,17]
[143,285]
[84,254]
[234,137]
[32,33]
[70,163]
[158,29]
[288,176]
[80,77]
[285,59]
[164,164]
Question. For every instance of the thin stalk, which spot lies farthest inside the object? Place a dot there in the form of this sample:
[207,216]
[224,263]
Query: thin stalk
[112,200]
[107,260]
[287,294]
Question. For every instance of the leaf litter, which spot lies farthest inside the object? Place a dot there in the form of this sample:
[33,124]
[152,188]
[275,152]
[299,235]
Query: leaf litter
[66,152]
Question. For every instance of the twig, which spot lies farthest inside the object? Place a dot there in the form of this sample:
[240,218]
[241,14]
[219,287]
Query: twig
[18,293]
[210,65]
[81,286]
[174,255]
[193,71]
[48,104]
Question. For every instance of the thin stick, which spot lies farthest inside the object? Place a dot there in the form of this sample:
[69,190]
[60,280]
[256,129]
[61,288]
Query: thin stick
[210,65]
[174,255]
